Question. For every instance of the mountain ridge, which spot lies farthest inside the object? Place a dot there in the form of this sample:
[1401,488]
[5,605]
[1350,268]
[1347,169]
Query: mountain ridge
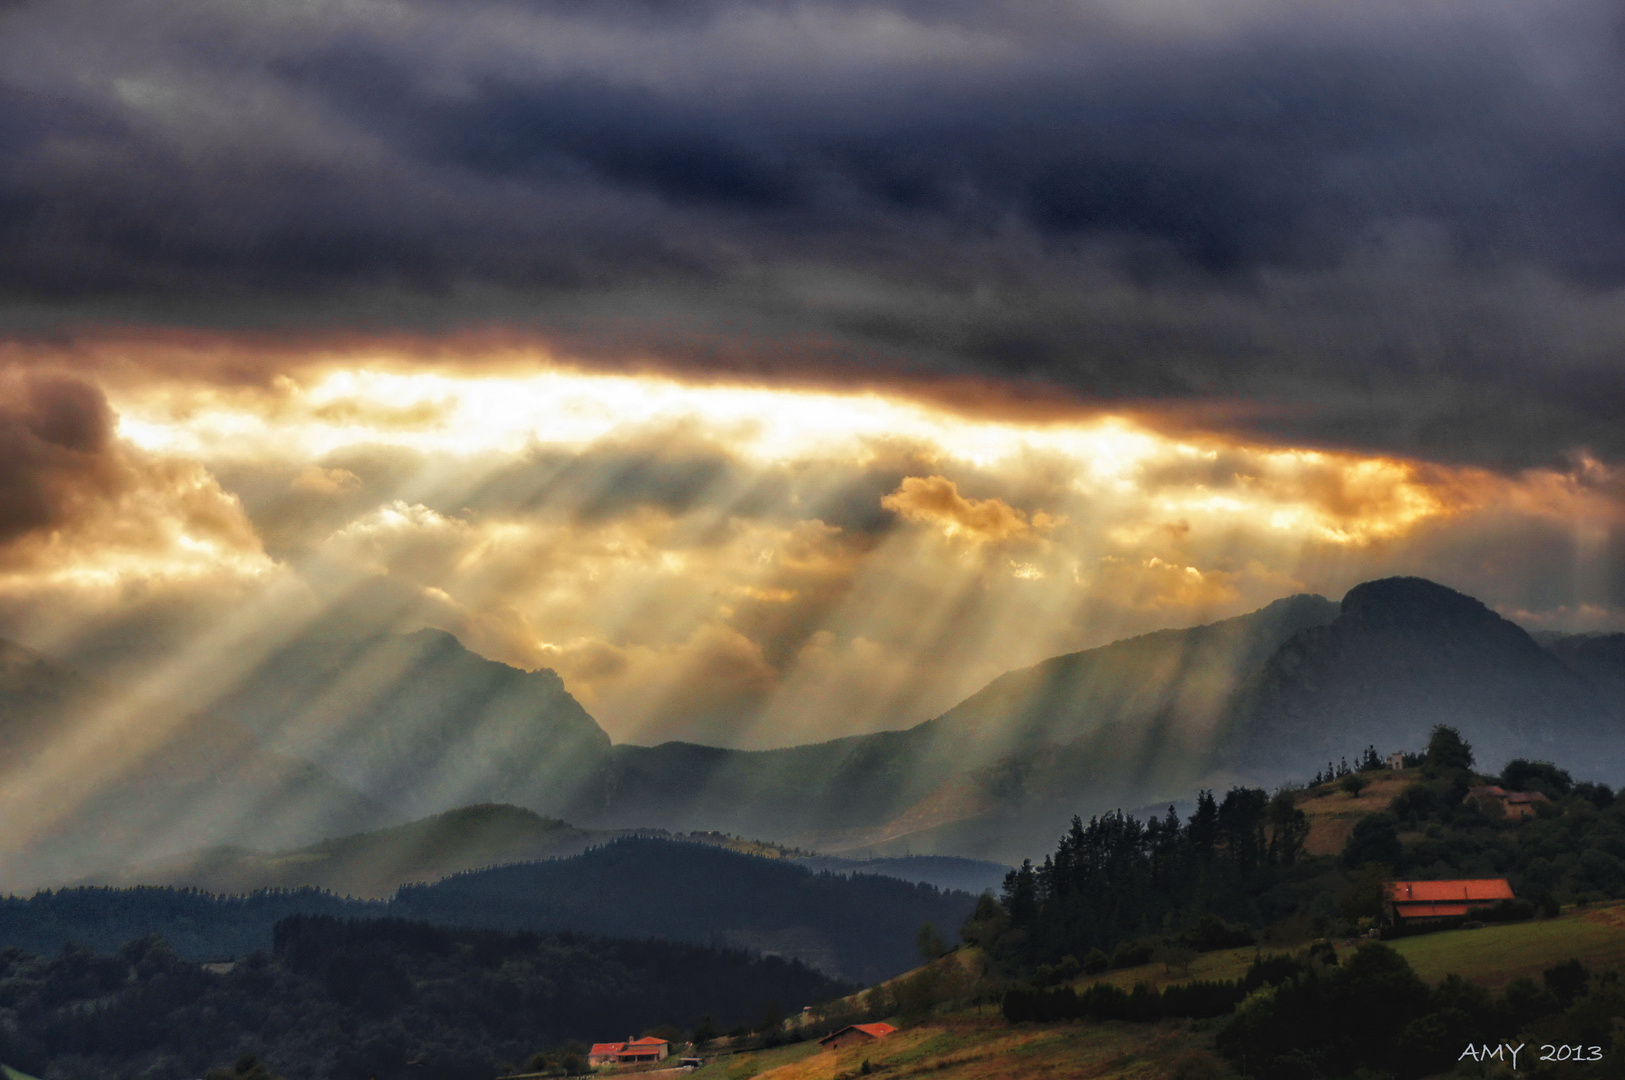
[1257,698]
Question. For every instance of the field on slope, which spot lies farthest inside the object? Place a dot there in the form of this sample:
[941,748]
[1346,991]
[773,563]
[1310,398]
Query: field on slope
[1332,812]
[1496,955]
[1491,956]
[978,1045]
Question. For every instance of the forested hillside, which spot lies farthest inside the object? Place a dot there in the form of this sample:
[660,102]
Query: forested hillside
[343,1000]
[859,927]
[1118,889]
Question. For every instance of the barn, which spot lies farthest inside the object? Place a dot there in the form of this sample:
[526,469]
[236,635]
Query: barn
[1413,901]
[855,1035]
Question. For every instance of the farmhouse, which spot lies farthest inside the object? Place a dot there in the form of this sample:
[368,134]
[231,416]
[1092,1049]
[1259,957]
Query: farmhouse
[1515,804]
[630,1052]
[854,1034]
[1417,900]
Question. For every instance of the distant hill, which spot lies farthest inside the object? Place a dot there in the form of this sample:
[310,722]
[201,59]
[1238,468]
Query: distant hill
[198,781]
[372,865]
[416,724]
[1260,698]
[1174,686]
[381,998]
[419,722]
[861,928]
[1405,654]
[1599,659]
[1136,717]
[974,876]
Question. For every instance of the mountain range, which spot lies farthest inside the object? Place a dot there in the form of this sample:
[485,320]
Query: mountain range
[367,732]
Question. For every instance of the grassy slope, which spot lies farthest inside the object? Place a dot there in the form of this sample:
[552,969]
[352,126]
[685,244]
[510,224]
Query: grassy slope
[1492,956]
[969,1046]
[975,1044]
[1496,955]
[1332,812]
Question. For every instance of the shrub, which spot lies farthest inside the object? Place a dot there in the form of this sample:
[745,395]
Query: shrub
[1504,911]
[1375,839]
[1211,932]
[1133,953]
[1272,971]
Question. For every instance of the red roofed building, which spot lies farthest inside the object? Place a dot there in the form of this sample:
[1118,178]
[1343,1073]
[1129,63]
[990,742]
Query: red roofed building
[854,1034]
[1524,803]
[630,1052]
[1516,804]
[1413,900]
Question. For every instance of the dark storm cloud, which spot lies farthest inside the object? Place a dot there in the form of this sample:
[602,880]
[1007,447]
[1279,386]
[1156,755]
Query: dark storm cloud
[54,453]
[1399,230]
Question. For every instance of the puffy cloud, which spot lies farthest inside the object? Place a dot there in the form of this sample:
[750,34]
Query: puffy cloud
[316,480]
[55,435]
[76,501]
[935,500]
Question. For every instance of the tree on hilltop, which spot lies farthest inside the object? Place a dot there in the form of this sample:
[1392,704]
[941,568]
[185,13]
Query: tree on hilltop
[1448,750]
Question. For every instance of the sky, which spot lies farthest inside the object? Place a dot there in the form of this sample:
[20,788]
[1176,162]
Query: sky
[780,371]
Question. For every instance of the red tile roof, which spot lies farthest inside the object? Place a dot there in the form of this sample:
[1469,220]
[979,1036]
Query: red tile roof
[1527,797]
[646,1045]
[1441,899]
[874,1031]
[1458,891]
[879,1031]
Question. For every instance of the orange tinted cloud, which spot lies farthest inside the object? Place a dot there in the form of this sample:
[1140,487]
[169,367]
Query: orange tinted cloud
[935,500]
[812,560]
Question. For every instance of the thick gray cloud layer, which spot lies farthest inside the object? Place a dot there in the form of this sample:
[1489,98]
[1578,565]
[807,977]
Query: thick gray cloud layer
[1395,226]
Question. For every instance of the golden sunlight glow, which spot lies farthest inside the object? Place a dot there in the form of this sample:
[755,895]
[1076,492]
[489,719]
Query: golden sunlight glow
[439,413]
[1338,499]
[739,564]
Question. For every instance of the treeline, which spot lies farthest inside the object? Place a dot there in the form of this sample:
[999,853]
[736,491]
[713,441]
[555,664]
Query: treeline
[1369,1016]
[350,1000]
[859,927]
[1116,879]
[1118,891]
[1145,1004]
[1103,1001]
[196,924]
[1373,1016]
